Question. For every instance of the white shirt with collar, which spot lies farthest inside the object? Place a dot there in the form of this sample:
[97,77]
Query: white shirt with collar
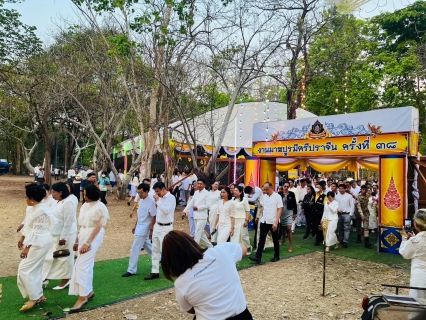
[346,202]
[111,177]
[355,191]
[294,190]
[301,193]
[254,198]
[271,204]
[146,211]
[166,208]
[202,201]
[71,172]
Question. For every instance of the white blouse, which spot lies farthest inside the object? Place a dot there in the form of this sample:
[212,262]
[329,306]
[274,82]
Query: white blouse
[65,213]
[415,249]
[37,224]
[241,207]
[215,198]
[330,211]
[91,213]
[226,210]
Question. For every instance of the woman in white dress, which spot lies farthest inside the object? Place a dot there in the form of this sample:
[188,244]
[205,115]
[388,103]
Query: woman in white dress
[36,240]
[64,233]
[92,219]
[215,198]
[48,200]
[413,247]
[242,218]
[225,220]
[330,214]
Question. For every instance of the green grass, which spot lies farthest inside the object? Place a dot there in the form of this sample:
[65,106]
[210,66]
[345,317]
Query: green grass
[110,287]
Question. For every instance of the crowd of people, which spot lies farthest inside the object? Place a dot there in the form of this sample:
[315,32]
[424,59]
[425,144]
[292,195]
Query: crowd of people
[218,231]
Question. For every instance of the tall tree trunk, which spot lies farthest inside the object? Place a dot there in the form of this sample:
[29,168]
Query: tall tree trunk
[18,159]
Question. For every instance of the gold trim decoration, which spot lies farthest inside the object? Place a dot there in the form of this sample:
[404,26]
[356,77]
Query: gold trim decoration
[392,239]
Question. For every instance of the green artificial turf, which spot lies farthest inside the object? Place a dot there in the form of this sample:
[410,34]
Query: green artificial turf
[110,287]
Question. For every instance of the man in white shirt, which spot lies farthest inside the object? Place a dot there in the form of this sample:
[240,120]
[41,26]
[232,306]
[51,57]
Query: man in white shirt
[56,173]
[89,170]
[346,211]
[121,175]
[112,181]
[272,208]
[253,196]
[71,173]
[166,205]
[355,189]
[200,203]
[329,183]
[36,171]
[151,194]
[143,228]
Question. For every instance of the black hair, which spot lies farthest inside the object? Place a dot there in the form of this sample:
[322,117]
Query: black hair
[179,253]
[342,186]
[35,192]
[92,192]
[46,187]
[202,180]
[312,190]
[71,187]
[363,186]
[240,189]
[159,185]
[335,183]
[269,184]
[302,180]
[61,187]
[290,180]
[146,179]
[248,190]
[228,191]
[331,194]
[144,187]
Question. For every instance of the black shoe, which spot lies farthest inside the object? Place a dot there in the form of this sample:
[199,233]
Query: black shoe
[316,243]
[345,245]
[127,274]
[254,259]
[305,237]
[275,259]
[313,236]
[152,276]
[128,203]
[142,249]
[367,243]
[358,239]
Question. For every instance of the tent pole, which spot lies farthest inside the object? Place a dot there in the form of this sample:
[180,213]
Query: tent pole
[235,149]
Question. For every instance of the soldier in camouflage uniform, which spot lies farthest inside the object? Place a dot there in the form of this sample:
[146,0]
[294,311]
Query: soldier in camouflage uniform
[362,205]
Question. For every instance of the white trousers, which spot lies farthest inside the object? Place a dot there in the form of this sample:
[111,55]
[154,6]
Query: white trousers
[30,273]
[81,283]
[157,244]
[59,268]
[200,237]
[140,242]
[223,231]
[241,234]
[331,237]
[212,221]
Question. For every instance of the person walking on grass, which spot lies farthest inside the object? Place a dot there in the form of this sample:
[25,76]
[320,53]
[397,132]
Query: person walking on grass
[166,205]
[143,228]
[345,212]
[92,220]
[200,203]
[272,208]
[288,215]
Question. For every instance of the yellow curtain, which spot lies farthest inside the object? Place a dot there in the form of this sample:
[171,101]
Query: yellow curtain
[282,167]
[369,165]
[329,167]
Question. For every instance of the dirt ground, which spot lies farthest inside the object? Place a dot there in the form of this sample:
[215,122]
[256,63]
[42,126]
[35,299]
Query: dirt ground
[288,289]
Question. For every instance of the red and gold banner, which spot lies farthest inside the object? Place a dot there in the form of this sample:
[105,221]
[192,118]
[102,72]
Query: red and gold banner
[370,145]
[267,171]
[392,190]
[251,175]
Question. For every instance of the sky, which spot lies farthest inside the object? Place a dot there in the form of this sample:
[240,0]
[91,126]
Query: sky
[44,14]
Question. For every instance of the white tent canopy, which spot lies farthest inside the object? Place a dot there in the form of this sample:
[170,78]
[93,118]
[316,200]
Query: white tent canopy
[207,126]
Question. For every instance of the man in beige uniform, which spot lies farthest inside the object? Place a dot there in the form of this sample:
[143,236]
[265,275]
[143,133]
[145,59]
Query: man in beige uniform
[362,206]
